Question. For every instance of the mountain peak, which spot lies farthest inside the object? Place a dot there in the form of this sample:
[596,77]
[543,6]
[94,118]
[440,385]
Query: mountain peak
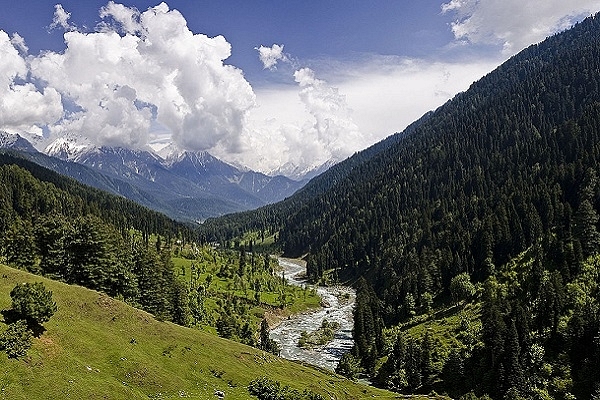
[15,141]
[66,148]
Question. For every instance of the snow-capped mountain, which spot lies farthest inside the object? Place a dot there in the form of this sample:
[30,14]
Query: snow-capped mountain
[14,141]
[304,174]
[183,184]
[66,148]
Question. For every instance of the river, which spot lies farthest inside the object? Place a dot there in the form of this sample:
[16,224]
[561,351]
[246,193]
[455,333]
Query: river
[338,304]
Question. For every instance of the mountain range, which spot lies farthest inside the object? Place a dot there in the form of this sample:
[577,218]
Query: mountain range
[187,186]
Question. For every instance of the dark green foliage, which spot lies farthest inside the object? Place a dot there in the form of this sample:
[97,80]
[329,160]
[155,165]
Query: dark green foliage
[461,287]
[19,245]
[368,326]
[16,339]
[33,302]
[266,343]
[498,184]
[348,366]
[269,389]
[57,227]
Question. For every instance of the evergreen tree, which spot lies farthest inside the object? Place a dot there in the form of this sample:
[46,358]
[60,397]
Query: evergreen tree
[33,302]
[19,245]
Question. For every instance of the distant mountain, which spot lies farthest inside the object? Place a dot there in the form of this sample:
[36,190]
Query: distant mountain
[297,173]
[14,141]
[185,186]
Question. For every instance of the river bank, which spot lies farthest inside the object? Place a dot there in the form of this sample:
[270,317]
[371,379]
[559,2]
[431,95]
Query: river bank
[338,304]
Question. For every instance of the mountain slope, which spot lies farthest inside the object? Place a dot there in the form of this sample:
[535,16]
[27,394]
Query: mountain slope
[15,142]
[498,187]
[95,347]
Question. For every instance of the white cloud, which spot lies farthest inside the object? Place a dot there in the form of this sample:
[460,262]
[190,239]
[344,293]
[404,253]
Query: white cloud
[306,126]
[514,24]
[148,65]
[61,19]
[19,43]
[333,126]
[22,106]
[127,18]
[297,127]
[270,56]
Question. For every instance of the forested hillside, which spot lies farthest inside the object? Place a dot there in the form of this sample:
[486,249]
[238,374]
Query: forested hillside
[498,187]
[55,226]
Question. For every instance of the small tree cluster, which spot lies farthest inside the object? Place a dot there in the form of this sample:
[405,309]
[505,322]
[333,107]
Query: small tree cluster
[16,339]
[33,302]
[266,343]
[349,366]
[33,305]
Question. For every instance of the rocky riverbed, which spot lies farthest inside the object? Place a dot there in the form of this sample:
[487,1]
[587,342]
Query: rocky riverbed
[338,303]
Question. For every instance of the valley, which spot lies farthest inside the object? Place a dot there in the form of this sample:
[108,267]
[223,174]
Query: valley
[98,347]
[458,258]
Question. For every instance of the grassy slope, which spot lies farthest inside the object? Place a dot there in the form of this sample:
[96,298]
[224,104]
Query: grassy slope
[87,352]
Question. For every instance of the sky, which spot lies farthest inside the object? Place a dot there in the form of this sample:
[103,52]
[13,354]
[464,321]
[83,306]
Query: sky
[275,86]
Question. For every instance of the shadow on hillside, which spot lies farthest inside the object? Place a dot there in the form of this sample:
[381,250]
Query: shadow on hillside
[11,316]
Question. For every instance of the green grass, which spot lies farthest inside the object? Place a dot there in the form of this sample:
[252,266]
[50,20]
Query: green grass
[298,299]
[96,347]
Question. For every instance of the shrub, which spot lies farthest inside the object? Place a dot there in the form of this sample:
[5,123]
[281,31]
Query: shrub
[16,339]
[269,389]
[33,302]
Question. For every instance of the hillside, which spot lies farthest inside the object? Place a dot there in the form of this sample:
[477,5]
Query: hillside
[271,218]
[497,189]
[95,347]
[42,191]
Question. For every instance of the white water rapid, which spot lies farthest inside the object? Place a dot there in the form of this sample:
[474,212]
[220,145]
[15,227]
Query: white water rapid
[338,303]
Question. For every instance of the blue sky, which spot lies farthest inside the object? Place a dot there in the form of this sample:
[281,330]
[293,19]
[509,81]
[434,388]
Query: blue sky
[344,75]
[311,29]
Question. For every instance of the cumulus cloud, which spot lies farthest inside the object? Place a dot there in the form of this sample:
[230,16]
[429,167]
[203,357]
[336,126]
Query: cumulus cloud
[298,128]
[270,56]
[61,19]
[356,105]
[333,126]
[19,42]
[22,106]
[513,24]
[148,66]
[127,19]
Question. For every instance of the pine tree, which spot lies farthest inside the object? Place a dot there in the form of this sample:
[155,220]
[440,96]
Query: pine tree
[19,245]
[585,230]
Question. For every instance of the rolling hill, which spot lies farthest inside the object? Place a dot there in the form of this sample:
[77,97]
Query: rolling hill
[96,347]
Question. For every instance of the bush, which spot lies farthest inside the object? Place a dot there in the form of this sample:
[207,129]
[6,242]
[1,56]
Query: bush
[269,389]
[348,366]
[33,302]
[16,339]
